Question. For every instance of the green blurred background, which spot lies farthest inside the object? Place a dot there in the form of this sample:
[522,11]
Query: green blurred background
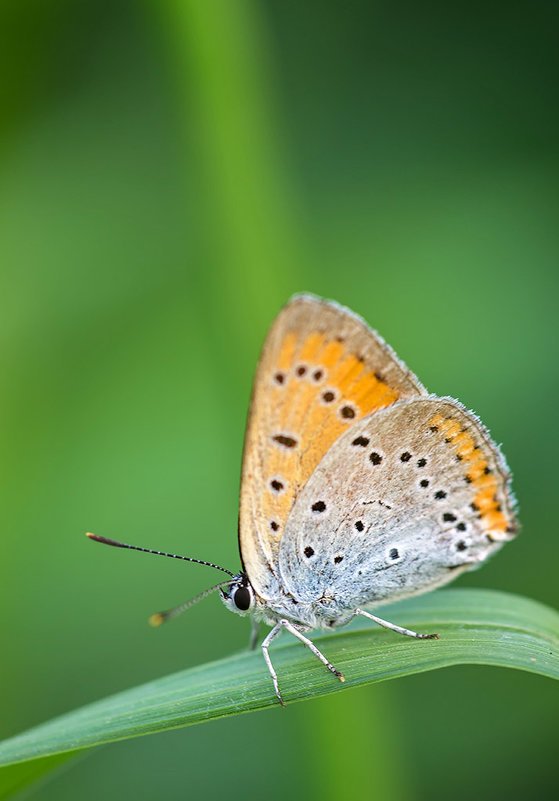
[170,172]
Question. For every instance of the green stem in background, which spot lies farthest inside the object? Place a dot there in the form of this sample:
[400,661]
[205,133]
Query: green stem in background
[229,107]
[475,626]
[248,219]
[356,736]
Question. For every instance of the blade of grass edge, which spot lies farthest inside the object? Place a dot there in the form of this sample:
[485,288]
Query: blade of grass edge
[21,778]
[476,627]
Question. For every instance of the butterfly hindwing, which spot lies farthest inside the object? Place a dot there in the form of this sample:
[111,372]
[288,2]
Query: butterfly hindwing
[400,504]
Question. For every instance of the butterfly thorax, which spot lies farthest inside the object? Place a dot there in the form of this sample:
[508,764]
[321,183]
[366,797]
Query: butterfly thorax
[322,613]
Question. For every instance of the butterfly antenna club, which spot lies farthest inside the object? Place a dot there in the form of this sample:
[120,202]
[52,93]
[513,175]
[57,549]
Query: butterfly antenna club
[115,544]
[162,617]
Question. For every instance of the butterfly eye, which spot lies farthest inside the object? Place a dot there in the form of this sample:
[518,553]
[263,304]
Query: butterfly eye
[242,598]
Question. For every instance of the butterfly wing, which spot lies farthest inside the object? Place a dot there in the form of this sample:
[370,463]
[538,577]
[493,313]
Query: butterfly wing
[403,502]
[322,370]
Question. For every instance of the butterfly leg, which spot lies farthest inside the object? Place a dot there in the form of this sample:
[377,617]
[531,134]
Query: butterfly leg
[285,624]
[312,647]
[265,644]
[393,627]
[253,634]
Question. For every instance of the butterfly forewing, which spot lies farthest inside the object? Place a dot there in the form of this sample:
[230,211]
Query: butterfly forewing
[322,370]
[400,504]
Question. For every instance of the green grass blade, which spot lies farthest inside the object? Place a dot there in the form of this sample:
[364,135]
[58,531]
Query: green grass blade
[22,777]
[475,627]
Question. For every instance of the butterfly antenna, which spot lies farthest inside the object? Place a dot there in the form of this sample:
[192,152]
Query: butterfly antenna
[161,617]
[116,544]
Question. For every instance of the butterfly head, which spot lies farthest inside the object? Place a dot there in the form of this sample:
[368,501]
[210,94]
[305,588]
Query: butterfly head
[238,595]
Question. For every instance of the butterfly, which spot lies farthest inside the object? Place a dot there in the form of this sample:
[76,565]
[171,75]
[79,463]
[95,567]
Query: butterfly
[358,486]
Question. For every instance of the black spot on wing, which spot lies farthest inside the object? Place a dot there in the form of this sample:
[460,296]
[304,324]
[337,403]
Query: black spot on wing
[347,412]
[286,441]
